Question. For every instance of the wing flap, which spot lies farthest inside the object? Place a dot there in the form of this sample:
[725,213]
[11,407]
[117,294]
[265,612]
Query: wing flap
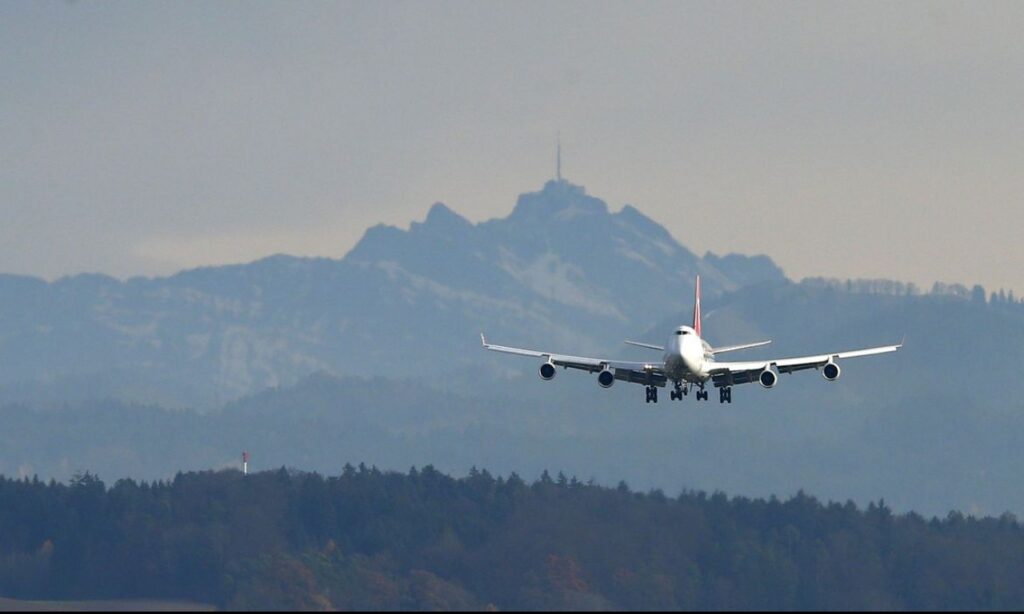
[730,378]
[647,378]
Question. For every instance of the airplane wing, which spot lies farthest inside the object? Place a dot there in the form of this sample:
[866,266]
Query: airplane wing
[733,348]
[651,373]
[730,373]
[649,346]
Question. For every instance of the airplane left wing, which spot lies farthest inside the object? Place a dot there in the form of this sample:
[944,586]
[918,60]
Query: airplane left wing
[729,373]
[652,373]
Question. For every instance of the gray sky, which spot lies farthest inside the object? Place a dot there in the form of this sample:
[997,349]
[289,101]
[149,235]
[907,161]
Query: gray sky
[842,139]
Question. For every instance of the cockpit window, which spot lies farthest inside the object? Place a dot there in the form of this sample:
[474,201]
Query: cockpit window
[681,332]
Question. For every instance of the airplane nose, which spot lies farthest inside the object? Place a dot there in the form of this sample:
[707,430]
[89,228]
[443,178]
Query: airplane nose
[692,364]
[692,355]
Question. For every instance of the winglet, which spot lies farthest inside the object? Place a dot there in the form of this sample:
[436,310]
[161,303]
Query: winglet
[483,341]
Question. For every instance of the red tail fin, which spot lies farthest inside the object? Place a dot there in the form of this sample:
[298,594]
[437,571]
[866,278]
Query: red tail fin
[696,309]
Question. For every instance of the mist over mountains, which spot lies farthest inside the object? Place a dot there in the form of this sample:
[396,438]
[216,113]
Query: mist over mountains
[375,358]
[561,269]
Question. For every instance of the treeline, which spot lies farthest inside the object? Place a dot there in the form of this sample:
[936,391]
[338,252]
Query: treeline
[374,540]
[889,287]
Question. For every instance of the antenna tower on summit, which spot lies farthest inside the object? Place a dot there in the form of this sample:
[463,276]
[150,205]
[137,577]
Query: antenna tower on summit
[558,164]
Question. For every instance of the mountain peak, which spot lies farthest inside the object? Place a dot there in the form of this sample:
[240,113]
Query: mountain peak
[559,200]
[562,186]
[636,218]
[443,218]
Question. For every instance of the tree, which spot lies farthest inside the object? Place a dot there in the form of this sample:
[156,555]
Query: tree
[978,295]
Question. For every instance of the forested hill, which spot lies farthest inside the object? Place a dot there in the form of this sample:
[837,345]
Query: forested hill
[423,540]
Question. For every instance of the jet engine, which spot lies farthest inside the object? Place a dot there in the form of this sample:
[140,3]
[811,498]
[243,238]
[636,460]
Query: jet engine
[547,371]
[768,378]
[831,371]
[606,378]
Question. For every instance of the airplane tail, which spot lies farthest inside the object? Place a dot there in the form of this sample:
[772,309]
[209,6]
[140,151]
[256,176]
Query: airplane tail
[696,309]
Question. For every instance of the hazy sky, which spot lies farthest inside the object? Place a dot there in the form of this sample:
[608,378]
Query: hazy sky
[842,139]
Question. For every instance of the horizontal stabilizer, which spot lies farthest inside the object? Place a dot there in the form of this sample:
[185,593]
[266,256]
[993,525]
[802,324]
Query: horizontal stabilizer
[733,348]
[649,346]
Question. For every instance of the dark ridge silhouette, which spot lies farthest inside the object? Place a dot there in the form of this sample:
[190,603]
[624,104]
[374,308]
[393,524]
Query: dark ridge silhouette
[367,539]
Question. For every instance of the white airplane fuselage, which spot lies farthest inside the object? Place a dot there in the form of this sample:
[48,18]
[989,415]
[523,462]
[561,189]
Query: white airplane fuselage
[687,356]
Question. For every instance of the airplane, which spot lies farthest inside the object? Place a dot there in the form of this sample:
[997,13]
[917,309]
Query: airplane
[689,362]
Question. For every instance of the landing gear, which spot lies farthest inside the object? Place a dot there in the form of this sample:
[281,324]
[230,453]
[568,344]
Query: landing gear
[724,394]
[677,394]
[652,394]
[702,395]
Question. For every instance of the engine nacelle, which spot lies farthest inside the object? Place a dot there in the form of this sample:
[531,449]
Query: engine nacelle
[547,371]
[831,371]
[606,379]
[768,378]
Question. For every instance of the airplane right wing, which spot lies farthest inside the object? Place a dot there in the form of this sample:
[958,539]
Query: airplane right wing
[648,373]
[730,373]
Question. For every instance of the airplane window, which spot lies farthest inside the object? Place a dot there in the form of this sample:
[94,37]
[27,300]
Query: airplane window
[680,332]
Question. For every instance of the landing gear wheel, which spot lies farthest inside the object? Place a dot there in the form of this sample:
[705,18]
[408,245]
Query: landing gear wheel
[725,394]
[677,393]
[652,394]
[702,395]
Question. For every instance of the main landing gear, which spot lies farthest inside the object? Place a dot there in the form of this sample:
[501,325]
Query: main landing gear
[679,391]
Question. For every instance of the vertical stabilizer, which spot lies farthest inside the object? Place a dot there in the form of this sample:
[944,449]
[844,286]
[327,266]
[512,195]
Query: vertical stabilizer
[696,309]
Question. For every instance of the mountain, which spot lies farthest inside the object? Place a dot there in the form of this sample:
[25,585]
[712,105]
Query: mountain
[561,270]
[375,357]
